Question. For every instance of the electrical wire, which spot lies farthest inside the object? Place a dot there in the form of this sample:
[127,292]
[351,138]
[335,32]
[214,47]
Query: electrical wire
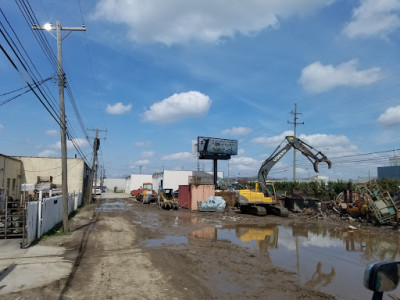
[31,19]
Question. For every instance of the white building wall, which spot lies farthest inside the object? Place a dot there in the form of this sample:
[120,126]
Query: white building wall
[111,183]
[173,179]
[136,181]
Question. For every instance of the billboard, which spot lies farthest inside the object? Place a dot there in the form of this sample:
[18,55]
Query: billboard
[209,145]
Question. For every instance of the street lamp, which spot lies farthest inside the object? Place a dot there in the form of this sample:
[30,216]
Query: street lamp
[63,128]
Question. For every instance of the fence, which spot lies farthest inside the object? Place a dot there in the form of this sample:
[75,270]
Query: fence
[43,215]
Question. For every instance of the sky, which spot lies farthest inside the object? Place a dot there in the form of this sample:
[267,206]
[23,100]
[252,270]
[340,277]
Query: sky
[157,74]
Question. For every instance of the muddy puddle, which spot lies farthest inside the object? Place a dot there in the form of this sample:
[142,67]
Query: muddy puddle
[332,261]
[111,206]
[167,240]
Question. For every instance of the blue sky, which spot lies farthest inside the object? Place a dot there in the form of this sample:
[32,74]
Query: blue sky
[158,74]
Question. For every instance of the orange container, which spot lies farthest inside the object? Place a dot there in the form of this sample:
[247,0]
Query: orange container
[190,195]
[200,193]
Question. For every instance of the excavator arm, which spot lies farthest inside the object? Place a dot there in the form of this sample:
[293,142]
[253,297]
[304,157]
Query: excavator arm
[296,143]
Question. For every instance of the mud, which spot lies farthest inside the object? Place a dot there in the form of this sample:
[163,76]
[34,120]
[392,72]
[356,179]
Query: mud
[122,249]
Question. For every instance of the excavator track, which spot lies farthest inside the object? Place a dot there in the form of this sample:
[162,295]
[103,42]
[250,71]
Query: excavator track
[279,211]
[253,210]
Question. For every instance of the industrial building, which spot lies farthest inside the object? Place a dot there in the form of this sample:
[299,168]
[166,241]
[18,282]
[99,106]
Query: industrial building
[10,177]
[173,179]
[114,184]
[34,168]
[169,179]
[391,171]
[135,181]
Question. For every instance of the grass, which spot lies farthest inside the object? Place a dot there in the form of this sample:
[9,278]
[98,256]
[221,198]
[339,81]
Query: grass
[57,230]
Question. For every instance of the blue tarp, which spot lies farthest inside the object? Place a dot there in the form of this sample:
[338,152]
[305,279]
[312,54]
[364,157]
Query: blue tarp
[214,203]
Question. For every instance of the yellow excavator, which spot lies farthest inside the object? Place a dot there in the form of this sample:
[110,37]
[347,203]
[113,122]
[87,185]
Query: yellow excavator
[264,199]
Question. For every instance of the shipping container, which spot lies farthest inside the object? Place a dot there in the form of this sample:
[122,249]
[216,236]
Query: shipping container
[184,196]
[190,195]
[200,193]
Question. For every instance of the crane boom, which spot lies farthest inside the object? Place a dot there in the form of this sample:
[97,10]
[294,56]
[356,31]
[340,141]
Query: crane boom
[296,143]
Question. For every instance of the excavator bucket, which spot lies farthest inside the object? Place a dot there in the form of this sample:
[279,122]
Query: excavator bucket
[319,160]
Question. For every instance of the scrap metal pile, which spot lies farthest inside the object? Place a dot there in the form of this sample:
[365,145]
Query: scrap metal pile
[368,201]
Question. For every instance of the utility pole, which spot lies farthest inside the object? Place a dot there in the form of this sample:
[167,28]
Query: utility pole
[102,176]
[63,125]
[93,173]
[295,123]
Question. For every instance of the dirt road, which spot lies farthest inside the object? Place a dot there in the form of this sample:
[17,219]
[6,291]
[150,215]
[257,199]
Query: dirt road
[122,249]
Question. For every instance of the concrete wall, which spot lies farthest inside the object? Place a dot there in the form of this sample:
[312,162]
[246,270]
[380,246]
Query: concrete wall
[111,183]
[48,166]
[10,177]
[135,181]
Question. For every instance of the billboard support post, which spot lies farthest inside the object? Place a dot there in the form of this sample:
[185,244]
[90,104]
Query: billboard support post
[216,173]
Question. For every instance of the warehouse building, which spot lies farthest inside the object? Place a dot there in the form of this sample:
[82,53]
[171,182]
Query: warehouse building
[10,177]
[35,168]
[391,171]
[173,179]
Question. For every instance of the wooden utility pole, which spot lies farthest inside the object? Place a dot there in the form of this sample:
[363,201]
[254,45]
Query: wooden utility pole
[63,125]
[295,123]
[96,146]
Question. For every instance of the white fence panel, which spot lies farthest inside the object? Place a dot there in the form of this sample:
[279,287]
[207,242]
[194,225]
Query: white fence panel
[40,220]
[31,221]
[51,213]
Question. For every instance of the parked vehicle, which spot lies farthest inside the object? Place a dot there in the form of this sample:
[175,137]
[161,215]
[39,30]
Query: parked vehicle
[96,190]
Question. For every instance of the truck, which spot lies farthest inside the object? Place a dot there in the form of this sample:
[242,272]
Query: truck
[263,199]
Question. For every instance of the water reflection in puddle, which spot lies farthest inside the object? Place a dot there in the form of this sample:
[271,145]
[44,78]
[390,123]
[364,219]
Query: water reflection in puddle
[329,260]
[110,206]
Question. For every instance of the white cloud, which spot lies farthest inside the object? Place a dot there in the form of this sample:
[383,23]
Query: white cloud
[143,144]
[179,156]
[142,162]
[147,154]
[241,151]
[178,107]
[245,164]
[272,142]
[329,144]
[48,153]
[118,108]
[318,78]
[236,131]
[374,19]
[181,21]
[391,117]
[1,126]
[80,142]
[52,132]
